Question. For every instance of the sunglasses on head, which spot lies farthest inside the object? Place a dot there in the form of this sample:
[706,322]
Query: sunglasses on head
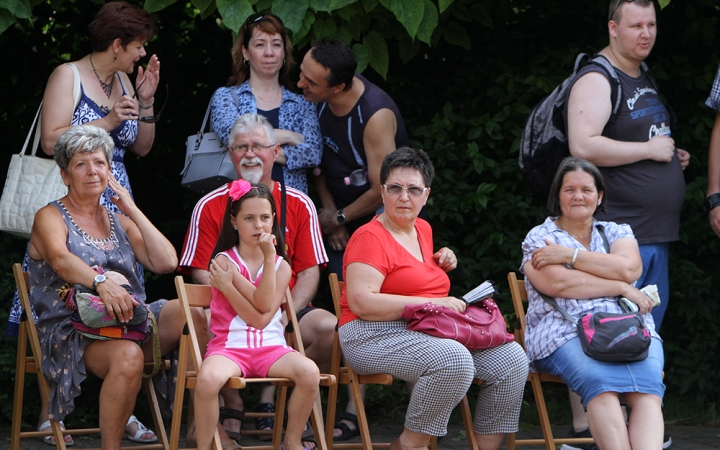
[156,117]
[617,5]
[257,17]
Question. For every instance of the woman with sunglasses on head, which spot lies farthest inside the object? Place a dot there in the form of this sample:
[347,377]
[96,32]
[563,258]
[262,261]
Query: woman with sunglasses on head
[107,100]
[260,84]
[389,263]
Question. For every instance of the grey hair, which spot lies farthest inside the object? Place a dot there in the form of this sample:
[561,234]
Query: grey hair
[247,123]
[82,139]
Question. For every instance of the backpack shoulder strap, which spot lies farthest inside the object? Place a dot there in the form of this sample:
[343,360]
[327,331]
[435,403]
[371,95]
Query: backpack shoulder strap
[606,244]
[612,76]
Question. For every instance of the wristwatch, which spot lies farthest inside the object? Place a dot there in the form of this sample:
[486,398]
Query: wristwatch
[98,279]
[340,217]
[711,202]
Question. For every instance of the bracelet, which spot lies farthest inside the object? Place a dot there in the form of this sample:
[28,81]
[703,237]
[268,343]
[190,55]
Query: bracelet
[574,258]
[148,106]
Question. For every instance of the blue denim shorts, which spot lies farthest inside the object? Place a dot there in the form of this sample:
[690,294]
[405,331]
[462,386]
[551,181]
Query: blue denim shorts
[589,377]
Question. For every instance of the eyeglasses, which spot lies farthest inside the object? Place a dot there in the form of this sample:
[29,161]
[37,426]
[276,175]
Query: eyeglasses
[257,17]
[256,148]
[156,117]
[617,5]
[396,189]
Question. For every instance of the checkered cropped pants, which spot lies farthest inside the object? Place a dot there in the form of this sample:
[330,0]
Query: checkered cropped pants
[442,370]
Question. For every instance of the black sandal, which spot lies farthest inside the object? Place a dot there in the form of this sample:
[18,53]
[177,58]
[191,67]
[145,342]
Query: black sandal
[265,423]
[347,432]
[236,414]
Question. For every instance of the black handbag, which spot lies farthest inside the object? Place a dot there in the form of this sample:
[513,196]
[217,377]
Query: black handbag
[207,159]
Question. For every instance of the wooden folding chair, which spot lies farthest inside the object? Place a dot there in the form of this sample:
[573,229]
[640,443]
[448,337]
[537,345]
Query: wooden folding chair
[345,375]
[29,364]
[192,295]
[520,297]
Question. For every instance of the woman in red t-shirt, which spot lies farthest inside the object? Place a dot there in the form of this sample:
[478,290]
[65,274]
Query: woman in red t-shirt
[390,263]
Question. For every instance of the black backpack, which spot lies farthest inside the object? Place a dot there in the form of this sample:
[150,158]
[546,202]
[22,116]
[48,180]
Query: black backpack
[544,140]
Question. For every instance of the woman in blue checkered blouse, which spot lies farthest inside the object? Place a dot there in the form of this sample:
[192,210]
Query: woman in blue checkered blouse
[565,258]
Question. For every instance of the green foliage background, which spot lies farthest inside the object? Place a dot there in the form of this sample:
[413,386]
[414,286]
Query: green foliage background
[465,74]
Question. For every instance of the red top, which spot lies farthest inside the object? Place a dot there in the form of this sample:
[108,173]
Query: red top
[404,274]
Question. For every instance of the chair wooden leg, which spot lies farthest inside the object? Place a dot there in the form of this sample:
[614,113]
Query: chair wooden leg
[179,395]
[156,414]
[542,411]
[316,419]
[330,413]
[510,444]
[280,406]
[433,443]
[19,388]
[468,422]
[360,410]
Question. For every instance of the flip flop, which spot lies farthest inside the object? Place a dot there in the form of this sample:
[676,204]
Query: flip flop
[50,440]
[236,414]
[142,429]
[347,432]
[308,435]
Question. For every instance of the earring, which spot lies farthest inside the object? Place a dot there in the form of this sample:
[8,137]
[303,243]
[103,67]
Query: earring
[283,65]
[114,58]
[246,62]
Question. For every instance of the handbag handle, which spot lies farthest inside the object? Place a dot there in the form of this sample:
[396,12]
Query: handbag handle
[38,118]
[209,107]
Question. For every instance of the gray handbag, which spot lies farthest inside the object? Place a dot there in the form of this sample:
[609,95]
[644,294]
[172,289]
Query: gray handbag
[207,160]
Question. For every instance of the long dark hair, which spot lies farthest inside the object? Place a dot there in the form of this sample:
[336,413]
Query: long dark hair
[229,236]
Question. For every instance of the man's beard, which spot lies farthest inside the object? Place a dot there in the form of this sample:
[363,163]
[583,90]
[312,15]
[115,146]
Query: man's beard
[254,174]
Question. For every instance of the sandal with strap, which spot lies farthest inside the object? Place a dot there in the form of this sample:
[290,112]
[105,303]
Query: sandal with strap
[265,423]
[50,440]
[233,414]
[347,432]
[141,431]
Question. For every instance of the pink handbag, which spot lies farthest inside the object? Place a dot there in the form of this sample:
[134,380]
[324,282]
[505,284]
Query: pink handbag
[480,327]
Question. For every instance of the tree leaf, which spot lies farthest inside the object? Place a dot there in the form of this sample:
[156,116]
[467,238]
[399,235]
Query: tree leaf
[307,24]
[6,19]
[429,22]
[324,28]
[663,3]
[455,34]
[18,8]
[292,12]
[362,56]
[408,49]
[443,4]
[408,12]
[378,52]
[329,5]
[202,5]
[157,5]
[369,5]
[234,13]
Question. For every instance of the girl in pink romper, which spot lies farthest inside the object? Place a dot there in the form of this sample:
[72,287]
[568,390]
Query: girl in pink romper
[249,278]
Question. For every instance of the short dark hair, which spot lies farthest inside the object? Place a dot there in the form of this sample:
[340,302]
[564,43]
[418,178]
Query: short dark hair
[120,20]
[408,158]
[571,164]
[338,58]
[615,8]
[270,24]
[228,237]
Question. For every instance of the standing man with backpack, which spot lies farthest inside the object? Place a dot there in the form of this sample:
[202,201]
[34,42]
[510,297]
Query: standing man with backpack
[634,149]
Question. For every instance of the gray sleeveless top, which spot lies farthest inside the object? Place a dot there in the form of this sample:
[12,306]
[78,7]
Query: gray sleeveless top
[63,347]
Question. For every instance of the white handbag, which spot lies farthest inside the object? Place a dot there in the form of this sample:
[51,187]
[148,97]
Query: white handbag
[32,182]
[207,160]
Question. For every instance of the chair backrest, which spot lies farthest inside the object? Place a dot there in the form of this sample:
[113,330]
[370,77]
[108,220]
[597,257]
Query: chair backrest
[519,297]
[336,287]
[22,282]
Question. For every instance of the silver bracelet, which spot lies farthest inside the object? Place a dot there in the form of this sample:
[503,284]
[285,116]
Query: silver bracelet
[574,258]
[148,106]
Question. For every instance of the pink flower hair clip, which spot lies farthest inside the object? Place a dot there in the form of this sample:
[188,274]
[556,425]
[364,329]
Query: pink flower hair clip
[238,188]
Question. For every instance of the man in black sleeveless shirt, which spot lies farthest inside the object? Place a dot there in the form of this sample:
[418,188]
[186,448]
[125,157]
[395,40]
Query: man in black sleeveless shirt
[634,150]
[360,125]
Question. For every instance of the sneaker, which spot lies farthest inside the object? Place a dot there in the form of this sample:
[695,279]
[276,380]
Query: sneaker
[579,434]
[667,441]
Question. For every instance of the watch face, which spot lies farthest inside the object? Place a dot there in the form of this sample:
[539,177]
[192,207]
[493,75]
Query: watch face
[100,278]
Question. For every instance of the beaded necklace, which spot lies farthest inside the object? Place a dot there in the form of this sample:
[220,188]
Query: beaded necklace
[108,243]
[107,87]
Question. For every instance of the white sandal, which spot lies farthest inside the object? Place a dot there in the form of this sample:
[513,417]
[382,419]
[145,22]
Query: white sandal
[142,429]
[50,440]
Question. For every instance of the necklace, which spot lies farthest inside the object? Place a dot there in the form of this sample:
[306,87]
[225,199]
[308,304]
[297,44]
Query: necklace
[108,243]
[263,100]
[107,87]
[573,235]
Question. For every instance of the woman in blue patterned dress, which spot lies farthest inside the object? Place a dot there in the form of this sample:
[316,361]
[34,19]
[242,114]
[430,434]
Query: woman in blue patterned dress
[107,100]
[260,84]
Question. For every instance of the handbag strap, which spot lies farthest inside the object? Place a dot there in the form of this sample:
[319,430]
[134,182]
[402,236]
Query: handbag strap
[553,302]
[38,118]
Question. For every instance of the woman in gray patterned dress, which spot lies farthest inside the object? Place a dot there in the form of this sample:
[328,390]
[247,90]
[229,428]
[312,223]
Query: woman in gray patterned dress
[70,235]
